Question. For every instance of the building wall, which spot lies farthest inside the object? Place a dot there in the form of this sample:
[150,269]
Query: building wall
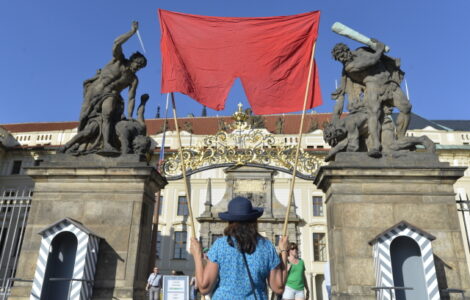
[452,147]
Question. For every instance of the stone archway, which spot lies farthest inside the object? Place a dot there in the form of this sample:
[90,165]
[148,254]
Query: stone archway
[255,184]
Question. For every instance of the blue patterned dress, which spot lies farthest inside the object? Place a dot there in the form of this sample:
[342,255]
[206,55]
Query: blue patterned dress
[234,283]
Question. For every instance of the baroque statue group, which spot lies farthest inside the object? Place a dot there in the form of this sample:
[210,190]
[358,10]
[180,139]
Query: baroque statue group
[371,81]
[103,128]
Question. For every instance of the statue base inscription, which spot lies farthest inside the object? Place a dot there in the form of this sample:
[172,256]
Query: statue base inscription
[366,196]
[114,198]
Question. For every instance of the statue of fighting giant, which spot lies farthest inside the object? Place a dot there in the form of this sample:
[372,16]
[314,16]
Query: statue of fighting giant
[371,80]
[103,106]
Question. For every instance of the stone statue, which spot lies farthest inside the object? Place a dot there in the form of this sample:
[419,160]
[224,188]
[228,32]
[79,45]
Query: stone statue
[188,126]
[103,106]
[372,80]
[7,140]
[222,126]
[279,125]
[255,121]
[129,131]
[351,133]
[313,125]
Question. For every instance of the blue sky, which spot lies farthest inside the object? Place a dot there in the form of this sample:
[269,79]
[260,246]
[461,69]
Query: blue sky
[50,47]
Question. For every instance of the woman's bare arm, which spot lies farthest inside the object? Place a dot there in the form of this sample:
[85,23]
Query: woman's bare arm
[278,276]
[206,276]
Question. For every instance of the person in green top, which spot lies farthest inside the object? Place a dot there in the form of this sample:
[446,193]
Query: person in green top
[296,281]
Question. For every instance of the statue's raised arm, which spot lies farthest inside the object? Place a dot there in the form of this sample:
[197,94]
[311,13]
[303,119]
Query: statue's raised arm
[117,46]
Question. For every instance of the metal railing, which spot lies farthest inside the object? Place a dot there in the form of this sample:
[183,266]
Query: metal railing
[14,210]
[463,206]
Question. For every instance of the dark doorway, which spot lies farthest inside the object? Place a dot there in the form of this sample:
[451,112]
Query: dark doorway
[60,264]
[408,270]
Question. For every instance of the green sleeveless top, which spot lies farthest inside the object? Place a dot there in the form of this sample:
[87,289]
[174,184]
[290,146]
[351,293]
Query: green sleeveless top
[295,278]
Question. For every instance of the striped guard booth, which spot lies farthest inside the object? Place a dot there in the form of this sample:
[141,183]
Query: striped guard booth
[85,259]
[383,262]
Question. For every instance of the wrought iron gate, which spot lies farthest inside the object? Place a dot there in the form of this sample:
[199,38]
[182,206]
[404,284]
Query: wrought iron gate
[14,210]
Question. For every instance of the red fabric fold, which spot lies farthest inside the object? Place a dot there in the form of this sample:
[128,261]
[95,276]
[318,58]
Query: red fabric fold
[202,56]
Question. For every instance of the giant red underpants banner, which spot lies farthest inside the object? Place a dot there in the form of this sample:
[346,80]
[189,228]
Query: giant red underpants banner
[202,56]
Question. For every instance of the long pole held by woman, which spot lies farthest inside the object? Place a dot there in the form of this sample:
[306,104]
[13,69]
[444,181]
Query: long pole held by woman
[240,263]
[183,169]
[299,142]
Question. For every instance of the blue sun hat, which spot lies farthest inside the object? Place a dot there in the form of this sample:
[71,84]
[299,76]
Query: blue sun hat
[241,209]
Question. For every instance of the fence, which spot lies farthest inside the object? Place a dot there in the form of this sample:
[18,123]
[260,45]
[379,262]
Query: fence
[14,210]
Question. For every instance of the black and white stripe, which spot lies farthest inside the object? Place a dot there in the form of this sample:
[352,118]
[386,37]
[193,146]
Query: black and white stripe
[85,259]
[383,262]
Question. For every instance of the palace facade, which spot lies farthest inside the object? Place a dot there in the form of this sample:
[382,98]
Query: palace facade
[216,174]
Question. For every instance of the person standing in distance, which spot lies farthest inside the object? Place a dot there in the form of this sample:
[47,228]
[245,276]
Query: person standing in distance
[154,285]
[296,281]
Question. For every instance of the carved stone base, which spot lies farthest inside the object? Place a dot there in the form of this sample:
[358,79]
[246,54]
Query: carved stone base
[365,196]
[113,197]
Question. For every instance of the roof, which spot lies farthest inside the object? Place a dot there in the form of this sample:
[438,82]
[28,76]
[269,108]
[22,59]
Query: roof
[458,125]
[43,126]
[197,125]
[418,122]
[72,221]
[401,225]
[210,125]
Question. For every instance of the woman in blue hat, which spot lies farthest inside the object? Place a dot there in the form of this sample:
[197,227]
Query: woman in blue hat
[242,261]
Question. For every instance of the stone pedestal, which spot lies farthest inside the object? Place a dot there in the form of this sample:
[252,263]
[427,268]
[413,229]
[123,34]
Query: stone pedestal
[365,196]
[114,198]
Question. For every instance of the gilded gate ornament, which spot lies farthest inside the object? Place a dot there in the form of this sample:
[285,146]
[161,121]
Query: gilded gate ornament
[240,147]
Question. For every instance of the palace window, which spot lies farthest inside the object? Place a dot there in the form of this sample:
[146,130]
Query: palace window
[10,193]
[159,244]
[182,206]
[179,250]
[8,200]
[16,167]
[317,206]
[319,247]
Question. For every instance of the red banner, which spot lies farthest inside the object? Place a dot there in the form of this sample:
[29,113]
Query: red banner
[202,56]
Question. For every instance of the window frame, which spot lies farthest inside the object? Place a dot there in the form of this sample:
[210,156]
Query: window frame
[319,247]
[315,205]
[182,210]
[180,245]
[16,167]
[158,245]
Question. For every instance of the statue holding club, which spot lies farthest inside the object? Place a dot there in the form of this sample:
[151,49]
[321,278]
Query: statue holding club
[371,80]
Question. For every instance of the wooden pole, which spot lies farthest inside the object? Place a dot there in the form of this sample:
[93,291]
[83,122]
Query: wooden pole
[183,169]
[296,160]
